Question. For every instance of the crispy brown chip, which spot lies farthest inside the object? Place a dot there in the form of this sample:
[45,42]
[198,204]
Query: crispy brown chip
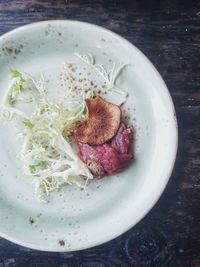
[101,125]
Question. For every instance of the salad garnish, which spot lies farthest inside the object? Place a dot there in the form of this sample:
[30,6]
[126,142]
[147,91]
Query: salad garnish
[47,154]
[50,130]
[109,76]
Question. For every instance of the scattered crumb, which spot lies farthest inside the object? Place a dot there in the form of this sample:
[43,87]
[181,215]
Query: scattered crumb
[31,220]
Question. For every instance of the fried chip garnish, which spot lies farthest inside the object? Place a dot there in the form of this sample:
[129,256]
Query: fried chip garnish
[101,125]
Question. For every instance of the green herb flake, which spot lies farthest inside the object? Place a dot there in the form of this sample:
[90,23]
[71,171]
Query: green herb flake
[66,134]
[15,73]
[11,100]
[85,111]
[41,164]
[32,169]
[28,123]
[17,86]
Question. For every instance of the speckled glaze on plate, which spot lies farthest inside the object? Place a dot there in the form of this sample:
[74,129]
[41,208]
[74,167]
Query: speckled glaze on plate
[72,219]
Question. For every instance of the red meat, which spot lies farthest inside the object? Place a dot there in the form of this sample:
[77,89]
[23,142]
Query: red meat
[121,140]
[109,158]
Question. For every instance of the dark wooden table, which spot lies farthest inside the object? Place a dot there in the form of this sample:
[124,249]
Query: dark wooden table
[168,32]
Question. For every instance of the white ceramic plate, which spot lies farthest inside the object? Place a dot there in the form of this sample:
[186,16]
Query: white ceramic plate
[73,219]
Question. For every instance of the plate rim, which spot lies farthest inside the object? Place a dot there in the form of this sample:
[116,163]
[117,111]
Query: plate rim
[171,162]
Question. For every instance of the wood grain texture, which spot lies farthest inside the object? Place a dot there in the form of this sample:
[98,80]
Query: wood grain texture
[168,32]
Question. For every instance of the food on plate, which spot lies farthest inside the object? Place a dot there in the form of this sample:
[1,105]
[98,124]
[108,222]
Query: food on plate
[121,141]
[108,158]
[103,140]
[52,131]
[101,124]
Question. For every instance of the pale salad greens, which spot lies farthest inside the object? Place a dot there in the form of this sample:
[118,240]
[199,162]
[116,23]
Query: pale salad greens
[47,152]
[109,76]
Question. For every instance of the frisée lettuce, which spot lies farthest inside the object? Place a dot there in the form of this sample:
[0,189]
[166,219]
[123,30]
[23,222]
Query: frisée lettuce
[47,153]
